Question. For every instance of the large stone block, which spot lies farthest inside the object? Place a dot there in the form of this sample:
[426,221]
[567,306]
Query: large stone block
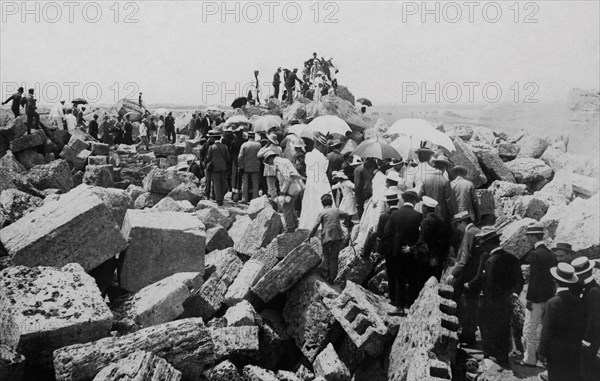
[80,161]
[217,238]
[45,308]
[493,166]
[275,344]
[224,371]
[185,344]
[157,303]
[463,155]
[525,207]
[263,229]
[580,164]
[160,244]
[309,321]
[528,171]
[186,192]
[54,175]
[508,151]
[164,150]
[352,266]
[167,204]
[97,160]
[531,147]
[37,138]
[117,201]
[14,204]
[580,226]
[164,181]
[147,200]
[9,161]
[329,366]
[30,158]
[284,243]
[238,344]
[552,218]
[255,373]
[238,228]
[139,365]
[12,364]
[76,228]
[257,205]
[212,217]
[250,273]
[241,314]
[287,272]
[100,149]
[99,175]
[513,238]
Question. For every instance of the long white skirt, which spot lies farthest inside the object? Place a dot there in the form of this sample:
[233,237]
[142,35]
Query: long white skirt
[317,184]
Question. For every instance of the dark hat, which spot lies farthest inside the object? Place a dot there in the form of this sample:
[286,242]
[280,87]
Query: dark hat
[535,228]
[564,247]
[441,159]
[424,148]
[273,138]
[564,272]
[411,196]
[583,265]
[319,137]
[30,91]
[460,170]
[487,233]
[461,216]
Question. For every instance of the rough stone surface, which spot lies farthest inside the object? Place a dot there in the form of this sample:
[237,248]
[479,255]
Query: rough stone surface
[529,170]
[493,166]
[284,243]
[147,200]
[35,139]
[186,192]
[167,204]
[463,155]
[238,344]
[117,201]
[76,228]
[217,238]
[9,161]
[80,160]
[241,314]
[30,158]
[14,204]
[525,206]
[58,307]
[552,218]
[580,226]
[531,147]
[224,371]
[164,181]
[513,238]
[185,344]
[275,344]
[257,205]
[160,244]
[99,175]
[139,366]
[260,232]
[238,228]
[580,164]
[97,160]
[55,175]
[352,266]
[250,273]
[212,217]
[12,364]
[287,272]
[328,365]
[508,151]
[164,150]
[309,321]
[502,189]
[255,373]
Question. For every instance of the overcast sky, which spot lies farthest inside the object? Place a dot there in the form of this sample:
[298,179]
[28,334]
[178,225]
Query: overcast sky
[183,52]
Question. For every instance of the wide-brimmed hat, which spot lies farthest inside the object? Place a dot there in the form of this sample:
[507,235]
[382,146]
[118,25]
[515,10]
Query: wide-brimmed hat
[564,247]
[251,134]
[461,216]
[411,196]
[565,273]
[535,228]
[273,138]
[391,196]
[583,265]
[393,176]
[394,162]
[441,159]
[270,153]
[356,160]
[214,134]
[459,170]
[319,137]
[429,202]
[487,233]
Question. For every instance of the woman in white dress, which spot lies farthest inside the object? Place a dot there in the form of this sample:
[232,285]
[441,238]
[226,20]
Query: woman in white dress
[317,184]
[348,203]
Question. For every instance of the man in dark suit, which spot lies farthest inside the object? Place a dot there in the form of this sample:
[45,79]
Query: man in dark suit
[590,296]
[541,288]
[218,160]
[500,278]
[276,83]
[402,229]
[463,271]
[437,186]
[563,328]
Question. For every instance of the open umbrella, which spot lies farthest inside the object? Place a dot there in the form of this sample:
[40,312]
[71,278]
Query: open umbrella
[376,148]
[365,102]
[239,102]
[296,129]
[78,101]
[327,125]
[237,119]
[420,130]
[161,111]
[266,122]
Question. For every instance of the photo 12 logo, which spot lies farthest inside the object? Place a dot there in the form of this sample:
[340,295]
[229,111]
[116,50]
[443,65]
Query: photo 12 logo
[470,11]
[93,92]
[227,92]
[70,11]
[325,12]
[469,92]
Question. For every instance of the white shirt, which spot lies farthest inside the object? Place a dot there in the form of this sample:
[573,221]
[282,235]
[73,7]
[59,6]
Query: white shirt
[71,122]
[57,111]
[143,130]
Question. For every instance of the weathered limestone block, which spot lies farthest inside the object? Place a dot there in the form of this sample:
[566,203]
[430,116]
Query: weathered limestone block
[257,205]
[100,149]
[552,218]
[238,344]
[584,186]
[116,200]
[224,371]
[486,201]
[49,308]
[580,164]
[525,207]
[238,228]
[561,185]
[78,144]
[506,189]
[164,150]
[329,366]
[54,175]
[284,243]
[263,229]
[98,160]
[513,238]
[255,373]
[147,200]
[508,151]
[139,365]
[134,192]
[309,321]
[164,181]
[35,139]
[352,266]
[527,171]
[80,160]
[99,175]
[185,344]
[493,166]
[188,192]
[15,204]
[463,155]
[9,161]
[167,204]
[12,364]
[160,244]
[212,217]
[426,338]
[531,147]
[76,228]
[287,272]
[580,226]
[157,303]
[241,314]
[284,375]
[217,238]
[250,273]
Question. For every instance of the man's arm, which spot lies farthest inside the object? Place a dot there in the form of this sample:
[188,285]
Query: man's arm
[8,100]
[316,227]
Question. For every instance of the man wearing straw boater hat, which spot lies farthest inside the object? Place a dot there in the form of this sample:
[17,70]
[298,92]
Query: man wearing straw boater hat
[498,278]
[249,165]
[541,288]
[563,328]
[590,296]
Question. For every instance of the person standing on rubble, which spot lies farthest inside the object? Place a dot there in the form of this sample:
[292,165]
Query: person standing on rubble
[16,102]
[170,128]
[276,83]
[218,163]
[128,131]
[290,82]
[93,127]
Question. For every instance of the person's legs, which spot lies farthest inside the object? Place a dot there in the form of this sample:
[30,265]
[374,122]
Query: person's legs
[276,93]
[532,331]
[16,112]
[394,287]
[245,178]
[272,186]
[29,123]
[290,94]
[468,317]
[326,248]
[255,177]
[218,184]
[334,255]
[208,184]
[289,215]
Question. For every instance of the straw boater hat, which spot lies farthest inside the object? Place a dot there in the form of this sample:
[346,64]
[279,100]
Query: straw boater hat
[356,160]
[565,273]
[391,196]
[487,233]
[393,176]
[273,138]
[251,134]
[410,196]
[582,265]
[429,202]
[214,134]
[461,216]
[441,159]
[319,137]
[395,162]
[459,170]
[535,228]
[562,246]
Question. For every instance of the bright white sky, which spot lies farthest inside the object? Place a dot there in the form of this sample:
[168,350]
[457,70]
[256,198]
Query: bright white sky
[180,52]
